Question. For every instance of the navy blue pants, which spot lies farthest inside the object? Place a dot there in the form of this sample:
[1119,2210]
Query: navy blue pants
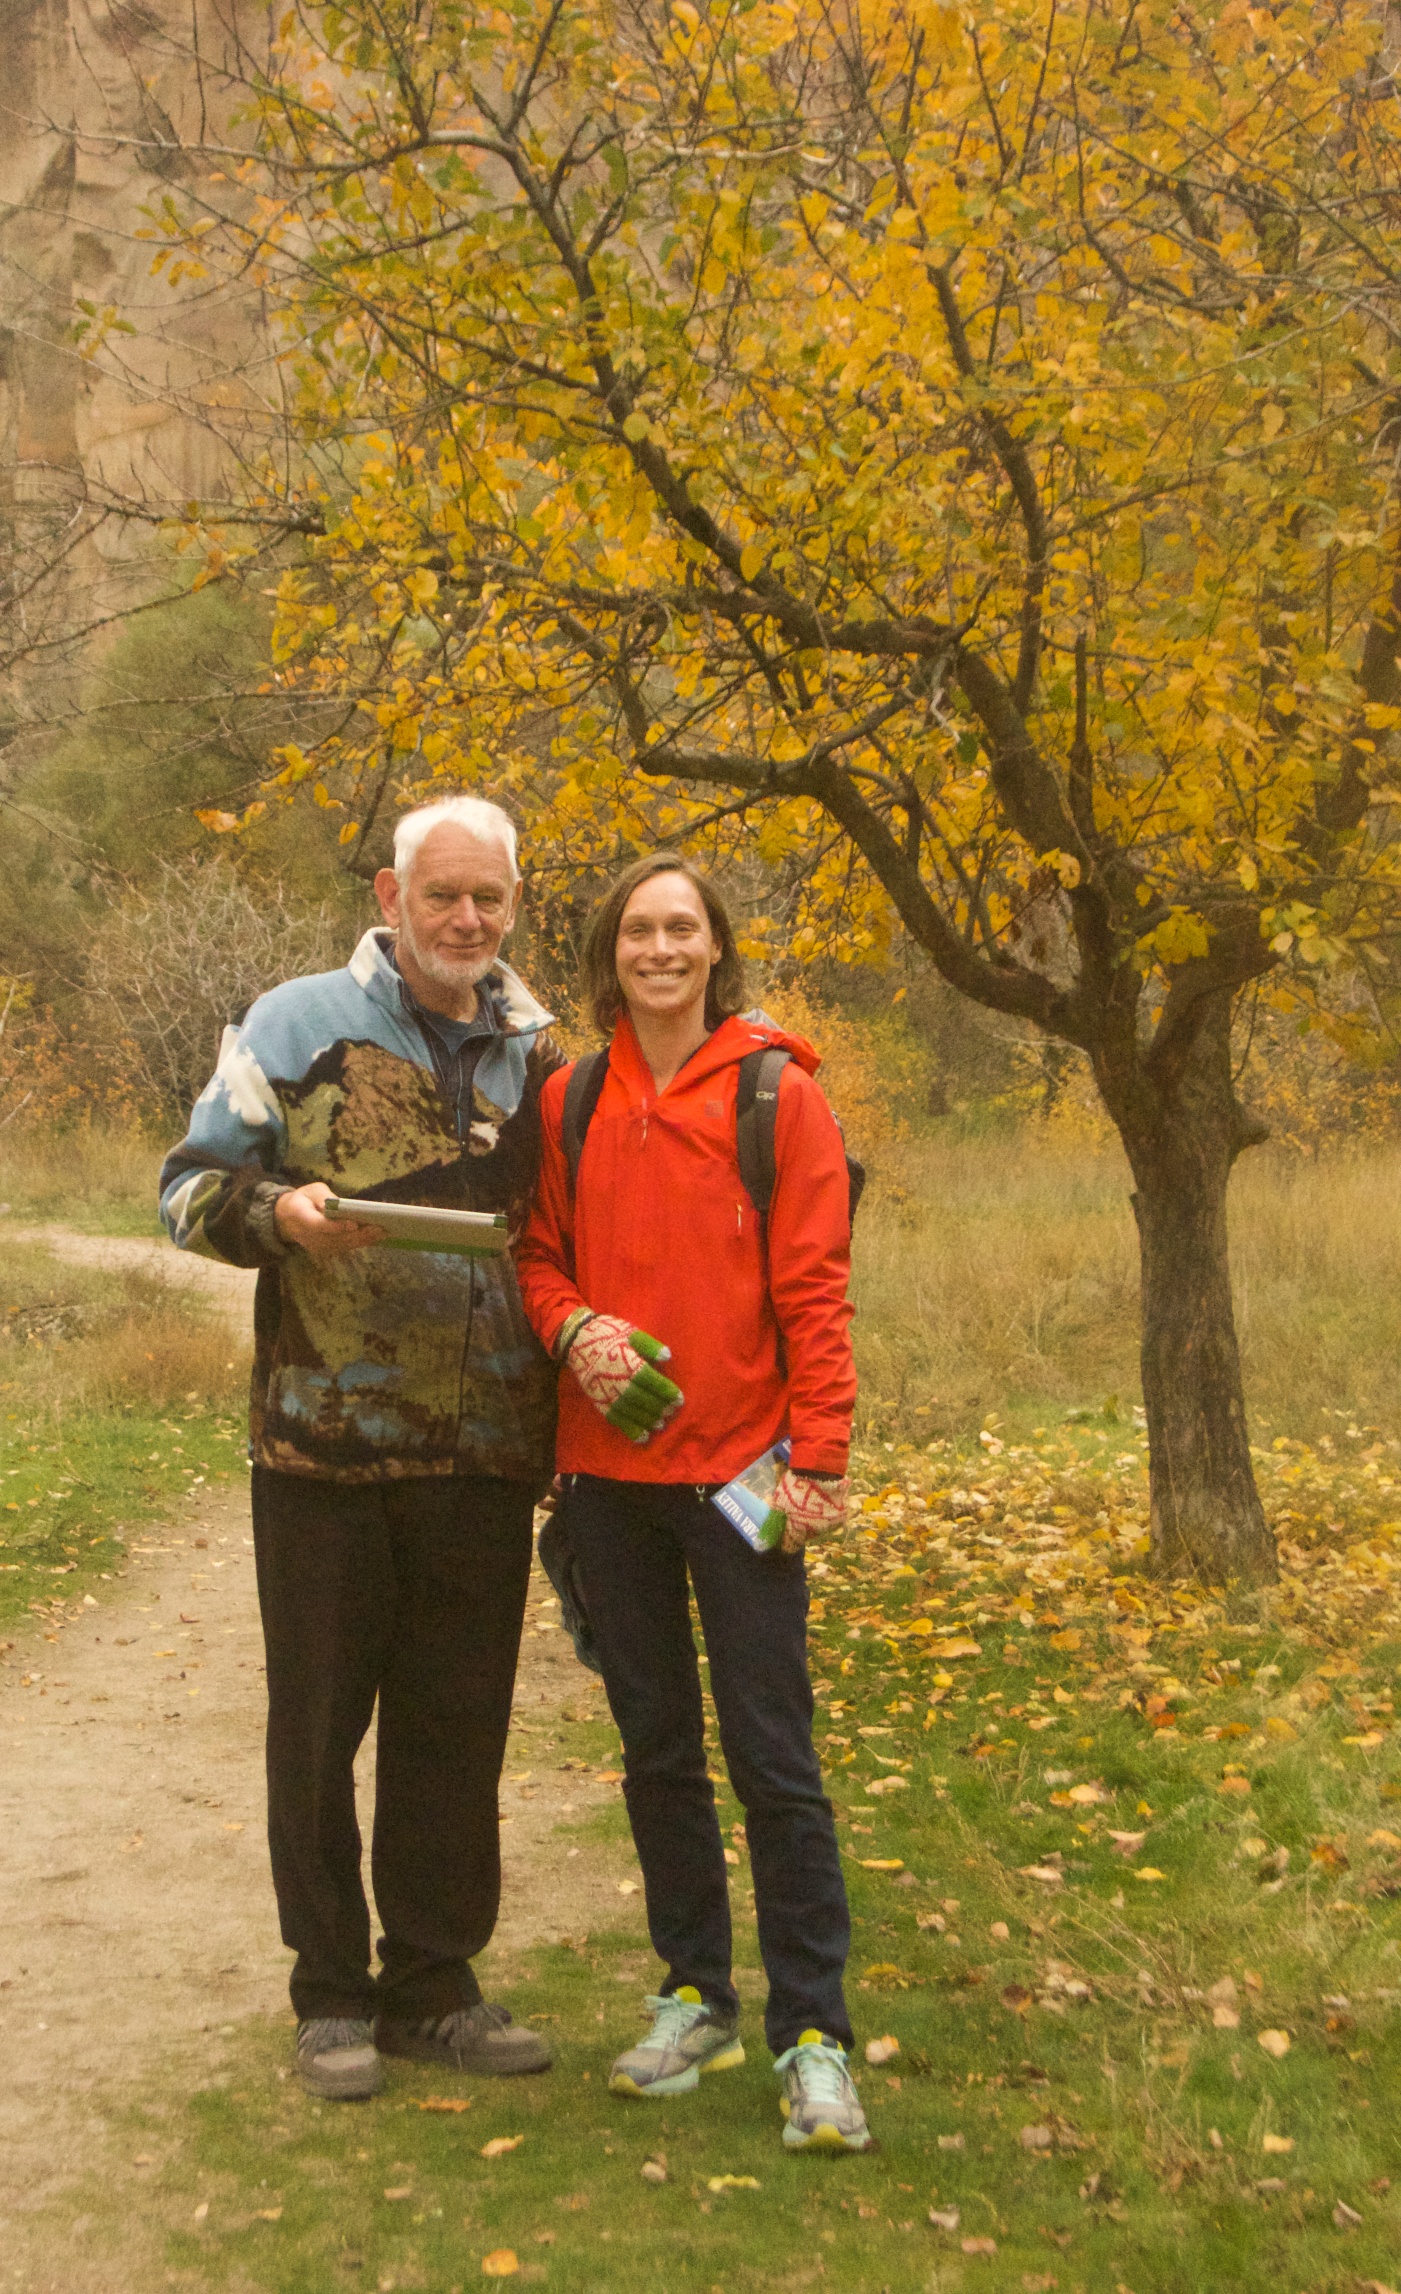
[636,1542]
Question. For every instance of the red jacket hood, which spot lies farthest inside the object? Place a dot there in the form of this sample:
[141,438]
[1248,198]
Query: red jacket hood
[732,1041]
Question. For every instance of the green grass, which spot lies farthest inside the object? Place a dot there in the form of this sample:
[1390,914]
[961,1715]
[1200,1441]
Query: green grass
[116,1398]
[1223,1738]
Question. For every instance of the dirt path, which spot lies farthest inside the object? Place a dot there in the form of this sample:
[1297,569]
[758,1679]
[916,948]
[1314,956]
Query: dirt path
[137,1924]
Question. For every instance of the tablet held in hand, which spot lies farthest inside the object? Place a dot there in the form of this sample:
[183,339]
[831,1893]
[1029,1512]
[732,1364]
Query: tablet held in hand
[422,1227]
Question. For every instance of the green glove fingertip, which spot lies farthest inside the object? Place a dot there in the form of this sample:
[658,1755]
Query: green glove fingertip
[651,1349]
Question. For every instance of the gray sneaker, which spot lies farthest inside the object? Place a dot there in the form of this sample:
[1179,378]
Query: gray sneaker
[819,2102]
[336,2058]
[481,2038]
[686,2038]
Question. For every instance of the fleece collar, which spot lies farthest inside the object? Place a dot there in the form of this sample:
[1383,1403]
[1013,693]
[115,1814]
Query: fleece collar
[371,969]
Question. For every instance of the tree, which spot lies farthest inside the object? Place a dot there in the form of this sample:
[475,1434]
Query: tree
[963,436]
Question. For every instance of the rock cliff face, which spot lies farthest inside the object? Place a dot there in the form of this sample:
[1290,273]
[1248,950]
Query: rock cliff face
[104,105]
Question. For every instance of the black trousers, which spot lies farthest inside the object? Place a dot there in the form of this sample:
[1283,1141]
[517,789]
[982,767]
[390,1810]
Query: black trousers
[636,1543]
[412,1591]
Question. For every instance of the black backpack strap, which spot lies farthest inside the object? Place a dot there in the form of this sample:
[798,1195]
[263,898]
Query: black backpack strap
[756,1124]
[581,1095]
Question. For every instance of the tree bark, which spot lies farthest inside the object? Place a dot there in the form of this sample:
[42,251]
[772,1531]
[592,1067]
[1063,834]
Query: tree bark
[1183,1134]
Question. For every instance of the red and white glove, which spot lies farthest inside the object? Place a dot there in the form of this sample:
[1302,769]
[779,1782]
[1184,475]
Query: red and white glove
[615,1366]
[811,1507]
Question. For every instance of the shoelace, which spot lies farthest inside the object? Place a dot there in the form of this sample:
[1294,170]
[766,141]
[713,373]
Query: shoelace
[674,2018]
[822,2070]
[334,2031]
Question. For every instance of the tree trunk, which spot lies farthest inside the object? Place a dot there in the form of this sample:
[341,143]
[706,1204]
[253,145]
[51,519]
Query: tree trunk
[1207,1520]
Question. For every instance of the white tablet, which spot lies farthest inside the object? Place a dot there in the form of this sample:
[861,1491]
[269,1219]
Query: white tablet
[422,1227]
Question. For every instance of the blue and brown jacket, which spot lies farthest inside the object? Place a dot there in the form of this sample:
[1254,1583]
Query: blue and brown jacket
[384,1363]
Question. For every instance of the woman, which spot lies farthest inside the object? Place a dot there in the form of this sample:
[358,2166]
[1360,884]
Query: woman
[656,1253]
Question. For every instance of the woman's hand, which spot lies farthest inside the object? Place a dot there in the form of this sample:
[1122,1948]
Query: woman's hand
[614,1365]
[809,1505]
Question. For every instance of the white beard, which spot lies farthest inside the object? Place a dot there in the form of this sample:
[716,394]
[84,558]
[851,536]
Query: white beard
[442,970]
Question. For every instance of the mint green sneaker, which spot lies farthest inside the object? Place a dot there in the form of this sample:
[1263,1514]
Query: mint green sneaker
[686,2038]
[819,2101]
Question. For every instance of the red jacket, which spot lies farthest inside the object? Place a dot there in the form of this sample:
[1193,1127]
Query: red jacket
[662,1232]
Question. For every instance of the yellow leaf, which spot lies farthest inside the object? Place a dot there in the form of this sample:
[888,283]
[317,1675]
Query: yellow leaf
[1285,1731]
[500,2144]
[948,1650]
[1071,1638]
[733,2182]
[751,560]
[1279,2145]
[1149,1872]
[1276,2043]
[1383,1839]
[1371,1737]
[502,2262]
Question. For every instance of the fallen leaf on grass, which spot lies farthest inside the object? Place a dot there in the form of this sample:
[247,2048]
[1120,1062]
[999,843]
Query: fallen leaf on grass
[1127,1844]
[880,1863]
[1226,2018]
[979,2245]
[1383,1839]
[1016,1997]
[1370,1738]
[945,2217]
[446,2103]
[952,1648]
[400,2190]
[202,2210]
[1223,1993]
[1234,1784]
[1038,2282]
[498,2147]
[502,2262]
[627,1887]
[1276,2043]
[733,2182]
[1278,2145]
[1330,1855]
[951,2143]
[267,2214]
[882,1784]
[1001,1933]
[1046,1872]
[1149,1872]
[881,2050]
[1089,1795]
[1035,2138]
[653,2170]
[1283,1731]
[1069,1639]
[1346,2217]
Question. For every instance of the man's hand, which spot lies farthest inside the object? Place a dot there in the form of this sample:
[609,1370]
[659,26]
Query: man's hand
[809,1505]
[299,1218]
[614,1365]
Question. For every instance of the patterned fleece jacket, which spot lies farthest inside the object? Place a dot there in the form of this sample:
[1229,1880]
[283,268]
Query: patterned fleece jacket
[384,1363]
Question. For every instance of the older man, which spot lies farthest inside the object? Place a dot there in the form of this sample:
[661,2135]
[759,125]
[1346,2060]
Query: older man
[402,1421]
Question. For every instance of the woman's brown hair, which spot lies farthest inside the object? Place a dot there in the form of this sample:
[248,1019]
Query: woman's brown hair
[599,968]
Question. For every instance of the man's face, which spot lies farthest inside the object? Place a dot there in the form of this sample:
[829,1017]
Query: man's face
[456,907]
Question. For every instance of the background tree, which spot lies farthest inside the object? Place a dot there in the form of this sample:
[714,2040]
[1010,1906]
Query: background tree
[966,438]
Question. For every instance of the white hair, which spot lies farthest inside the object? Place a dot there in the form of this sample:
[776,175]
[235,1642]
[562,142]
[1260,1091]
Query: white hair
[472,813]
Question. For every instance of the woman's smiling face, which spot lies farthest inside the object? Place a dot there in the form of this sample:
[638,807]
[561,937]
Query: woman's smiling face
[666,949]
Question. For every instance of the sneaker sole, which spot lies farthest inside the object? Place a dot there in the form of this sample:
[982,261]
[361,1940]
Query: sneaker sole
[342,2087]
[456,2059]
[825,2137]
[681,2082]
